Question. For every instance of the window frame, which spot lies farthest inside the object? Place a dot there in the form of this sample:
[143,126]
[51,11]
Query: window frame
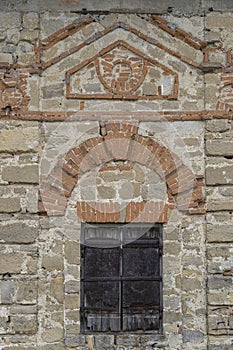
[146,227]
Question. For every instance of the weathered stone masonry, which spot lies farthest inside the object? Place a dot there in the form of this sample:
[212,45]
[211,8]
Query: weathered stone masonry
[111,114]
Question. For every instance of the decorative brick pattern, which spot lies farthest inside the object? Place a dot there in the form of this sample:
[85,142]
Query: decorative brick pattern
[122,70]
[73,28]
[177,32]
[13,90]
[78,25]
[59,36]
[118,76]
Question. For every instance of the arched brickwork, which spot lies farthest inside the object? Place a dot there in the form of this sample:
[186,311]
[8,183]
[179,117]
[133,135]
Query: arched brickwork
[121,141]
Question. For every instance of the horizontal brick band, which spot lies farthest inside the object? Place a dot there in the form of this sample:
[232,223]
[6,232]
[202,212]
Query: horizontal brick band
[126,116]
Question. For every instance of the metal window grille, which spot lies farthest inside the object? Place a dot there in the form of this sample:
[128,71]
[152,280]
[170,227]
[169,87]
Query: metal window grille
[121,278]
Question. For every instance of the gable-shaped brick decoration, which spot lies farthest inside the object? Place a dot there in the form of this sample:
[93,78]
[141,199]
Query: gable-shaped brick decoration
[78,25]
[122,70]
[121,141]
[14,98]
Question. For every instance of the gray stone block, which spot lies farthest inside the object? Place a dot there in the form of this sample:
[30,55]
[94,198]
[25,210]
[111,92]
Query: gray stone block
[24,324]
[22,174]
[9,205]
[27,292]
[192,336]
[219,147]
[219,172]
[220,282]
[18,233]
[54,90]
[150,6]
[75,340]
[7,291]
[217,5]
[11,262]
[219,233]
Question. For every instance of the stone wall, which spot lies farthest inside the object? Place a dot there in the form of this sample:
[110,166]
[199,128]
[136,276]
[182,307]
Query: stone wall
[112,113]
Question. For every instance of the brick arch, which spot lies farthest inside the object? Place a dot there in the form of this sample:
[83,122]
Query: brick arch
[120,141]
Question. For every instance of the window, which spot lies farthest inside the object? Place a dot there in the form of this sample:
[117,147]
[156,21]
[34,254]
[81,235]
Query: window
[121,278]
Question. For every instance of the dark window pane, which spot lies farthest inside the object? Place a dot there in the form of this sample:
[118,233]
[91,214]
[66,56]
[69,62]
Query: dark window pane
[101,295]
[103,236]
[141,262]
[121,278]
[152,234]
[101,262]
[141,294]
[144,321]
[102,322]
[131,234]
[140,236]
